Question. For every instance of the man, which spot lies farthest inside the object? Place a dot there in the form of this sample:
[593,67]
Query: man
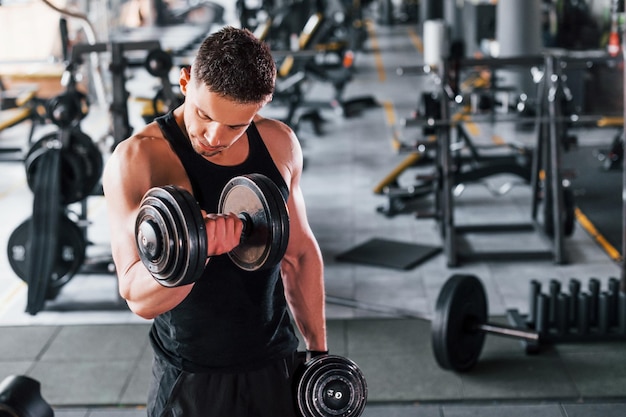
[224,346]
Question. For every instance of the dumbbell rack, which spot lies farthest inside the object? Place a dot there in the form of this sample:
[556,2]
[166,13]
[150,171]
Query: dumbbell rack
[593,314]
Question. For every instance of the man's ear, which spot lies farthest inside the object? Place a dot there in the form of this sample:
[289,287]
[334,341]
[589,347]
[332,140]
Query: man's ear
[184,79]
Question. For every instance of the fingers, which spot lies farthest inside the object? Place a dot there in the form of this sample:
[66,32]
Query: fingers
[223,232]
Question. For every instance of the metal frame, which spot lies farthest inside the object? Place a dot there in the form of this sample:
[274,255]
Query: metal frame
[546,159]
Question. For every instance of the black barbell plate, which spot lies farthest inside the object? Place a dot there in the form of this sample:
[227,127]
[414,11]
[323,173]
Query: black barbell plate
[70,253]
[268,236]
[158,63]
[460,307]
[67,108]
[331,386]
[81,164]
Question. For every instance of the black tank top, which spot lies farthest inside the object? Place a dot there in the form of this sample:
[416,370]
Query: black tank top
[232,320]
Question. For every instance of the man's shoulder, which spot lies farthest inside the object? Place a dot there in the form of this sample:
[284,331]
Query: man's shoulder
[273,128]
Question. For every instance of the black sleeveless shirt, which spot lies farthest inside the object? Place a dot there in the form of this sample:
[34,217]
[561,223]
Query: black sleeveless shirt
[232,320]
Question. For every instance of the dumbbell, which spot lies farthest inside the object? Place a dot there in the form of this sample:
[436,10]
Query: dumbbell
[20,396]
[459,325]
[171,234]
[329,385]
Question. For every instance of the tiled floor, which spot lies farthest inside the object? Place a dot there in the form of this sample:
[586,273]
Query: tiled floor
[87,331]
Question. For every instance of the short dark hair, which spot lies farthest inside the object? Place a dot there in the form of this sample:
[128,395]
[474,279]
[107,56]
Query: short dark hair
[234,63]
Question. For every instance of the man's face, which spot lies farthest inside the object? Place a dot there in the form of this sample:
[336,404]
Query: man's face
[213,122]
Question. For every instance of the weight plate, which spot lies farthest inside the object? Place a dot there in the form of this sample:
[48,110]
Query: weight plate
[81,164]
[67,108]
[171,236]
[70,253]
[197,245]
[460,306]
[158,63]
[331,385]
[266,239]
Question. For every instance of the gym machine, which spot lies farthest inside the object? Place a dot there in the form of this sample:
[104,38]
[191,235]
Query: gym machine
[64,169]
[552,201]
[460,323]
[304,64]
[447,176]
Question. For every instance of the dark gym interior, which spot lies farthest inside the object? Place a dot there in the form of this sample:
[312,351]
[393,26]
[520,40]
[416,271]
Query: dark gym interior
[463,177]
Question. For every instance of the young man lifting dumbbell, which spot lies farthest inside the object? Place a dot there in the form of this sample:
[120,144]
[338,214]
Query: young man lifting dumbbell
[224,345]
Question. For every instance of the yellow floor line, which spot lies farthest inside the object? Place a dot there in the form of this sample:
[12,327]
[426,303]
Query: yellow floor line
[591,229]
[8,298]
[472,128]
[416,40]
[390,120]
[15,186]
[377,56]
[390,113]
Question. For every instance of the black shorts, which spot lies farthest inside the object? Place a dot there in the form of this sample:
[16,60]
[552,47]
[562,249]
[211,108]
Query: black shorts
[258,393]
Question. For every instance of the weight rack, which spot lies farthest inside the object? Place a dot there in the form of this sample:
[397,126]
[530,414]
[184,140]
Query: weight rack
[48,259]
[547,182]
[451,232]
[592,315]
[578,315]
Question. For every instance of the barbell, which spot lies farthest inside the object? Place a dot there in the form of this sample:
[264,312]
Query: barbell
[459,324]
[329,386]
[171,233]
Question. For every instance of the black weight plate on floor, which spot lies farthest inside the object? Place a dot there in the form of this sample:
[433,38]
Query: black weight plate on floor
[171,236]
[461,304]
[331,385]
[266,240]
[70,253]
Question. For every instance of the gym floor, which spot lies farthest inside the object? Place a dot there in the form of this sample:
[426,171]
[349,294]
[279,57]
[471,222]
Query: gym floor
[92,356]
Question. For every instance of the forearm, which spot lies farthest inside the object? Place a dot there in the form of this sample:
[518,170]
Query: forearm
[304,289]
[145,296]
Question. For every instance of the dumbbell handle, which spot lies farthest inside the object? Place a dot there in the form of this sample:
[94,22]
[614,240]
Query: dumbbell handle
[508,331]
[247,225]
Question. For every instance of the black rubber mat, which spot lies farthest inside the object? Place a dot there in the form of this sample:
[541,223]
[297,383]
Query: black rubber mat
[597,192]
[389,254]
